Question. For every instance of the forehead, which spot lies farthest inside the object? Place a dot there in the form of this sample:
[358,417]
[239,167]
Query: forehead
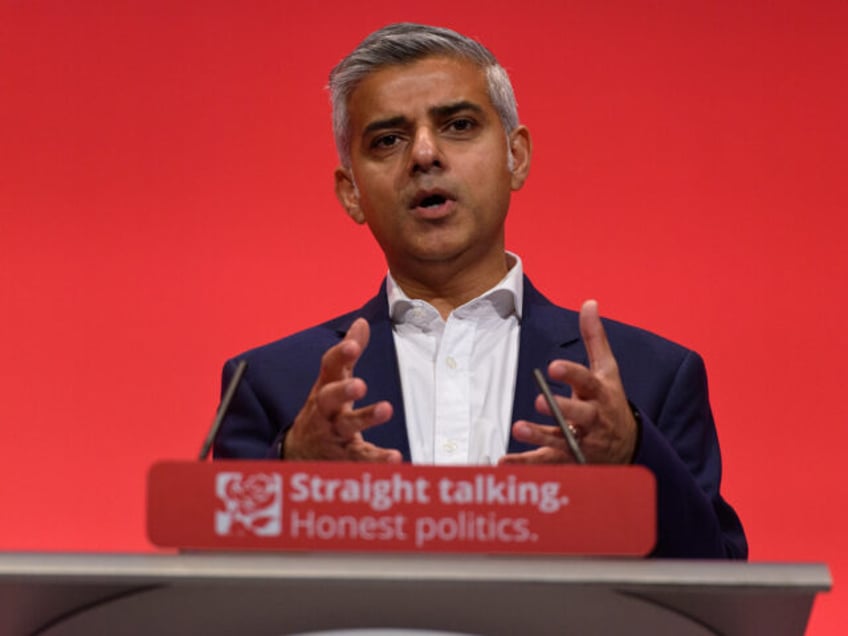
[410,90]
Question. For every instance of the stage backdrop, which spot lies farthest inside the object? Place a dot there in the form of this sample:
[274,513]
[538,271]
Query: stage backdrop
[166,202]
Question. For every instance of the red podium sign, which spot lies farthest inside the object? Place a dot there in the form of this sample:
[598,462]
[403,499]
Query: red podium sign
[269,505]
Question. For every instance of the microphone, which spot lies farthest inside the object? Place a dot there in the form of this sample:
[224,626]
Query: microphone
[222,409]
[567,430]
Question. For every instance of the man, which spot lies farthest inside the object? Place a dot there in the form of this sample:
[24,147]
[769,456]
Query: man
[437,368]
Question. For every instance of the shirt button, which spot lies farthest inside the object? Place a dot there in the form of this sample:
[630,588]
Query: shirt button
[451,362]
[449,446]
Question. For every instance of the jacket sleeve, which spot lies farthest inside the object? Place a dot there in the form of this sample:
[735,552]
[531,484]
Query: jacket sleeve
[679,445]
[248,430]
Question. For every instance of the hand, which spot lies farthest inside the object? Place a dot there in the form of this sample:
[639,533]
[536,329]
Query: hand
[597,409]
[328,427]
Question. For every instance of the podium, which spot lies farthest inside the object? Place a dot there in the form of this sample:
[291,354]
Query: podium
[394,550]
[271,594]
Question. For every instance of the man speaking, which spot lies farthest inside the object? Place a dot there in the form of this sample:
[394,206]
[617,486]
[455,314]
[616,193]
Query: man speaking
[438,367]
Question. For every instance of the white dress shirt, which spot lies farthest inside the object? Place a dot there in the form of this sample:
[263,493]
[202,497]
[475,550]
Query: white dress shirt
[458,375]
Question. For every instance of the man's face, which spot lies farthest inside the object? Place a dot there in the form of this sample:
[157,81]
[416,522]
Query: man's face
[429,169]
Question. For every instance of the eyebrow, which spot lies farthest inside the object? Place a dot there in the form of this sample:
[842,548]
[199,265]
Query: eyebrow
[437,112]
[383,124]
[452,109]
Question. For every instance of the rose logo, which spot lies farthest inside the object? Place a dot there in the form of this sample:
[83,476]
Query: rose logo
[252,505]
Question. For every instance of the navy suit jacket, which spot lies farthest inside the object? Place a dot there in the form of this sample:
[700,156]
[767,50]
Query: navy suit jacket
[666,383]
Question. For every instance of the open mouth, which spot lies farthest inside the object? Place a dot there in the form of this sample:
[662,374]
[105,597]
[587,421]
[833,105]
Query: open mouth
[432,201]
[433,204]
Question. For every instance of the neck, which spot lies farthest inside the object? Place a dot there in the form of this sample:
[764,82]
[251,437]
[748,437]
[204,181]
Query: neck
[446,286]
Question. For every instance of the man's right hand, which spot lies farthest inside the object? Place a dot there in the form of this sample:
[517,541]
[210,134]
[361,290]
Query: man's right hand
[328,427]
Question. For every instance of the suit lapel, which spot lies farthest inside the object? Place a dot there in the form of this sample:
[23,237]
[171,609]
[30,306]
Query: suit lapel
[548,332]
[379,369]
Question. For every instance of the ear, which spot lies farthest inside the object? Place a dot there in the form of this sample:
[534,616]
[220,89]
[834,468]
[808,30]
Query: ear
[522,149]
[348,194]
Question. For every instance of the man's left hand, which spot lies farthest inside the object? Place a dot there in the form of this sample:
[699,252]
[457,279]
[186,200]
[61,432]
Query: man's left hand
[597,409]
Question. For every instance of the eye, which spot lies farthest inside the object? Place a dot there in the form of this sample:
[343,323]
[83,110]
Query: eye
[463,124]
[385,141]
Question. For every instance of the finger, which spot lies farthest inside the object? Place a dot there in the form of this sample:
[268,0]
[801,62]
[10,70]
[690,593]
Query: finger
[333,397]
[583,382]
[543,455]
[338,361]
[538,435]
[595,337]
[362,451]
[578,412]
[348,424]
[359,332]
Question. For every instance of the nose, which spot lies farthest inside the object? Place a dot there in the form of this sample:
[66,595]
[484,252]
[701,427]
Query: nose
[425,152]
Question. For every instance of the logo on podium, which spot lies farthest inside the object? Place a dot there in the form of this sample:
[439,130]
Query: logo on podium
[253,504]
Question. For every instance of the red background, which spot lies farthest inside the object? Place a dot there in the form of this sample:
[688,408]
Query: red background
[166,201]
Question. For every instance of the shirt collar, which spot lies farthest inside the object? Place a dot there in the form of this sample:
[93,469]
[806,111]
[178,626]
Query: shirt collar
[506,297]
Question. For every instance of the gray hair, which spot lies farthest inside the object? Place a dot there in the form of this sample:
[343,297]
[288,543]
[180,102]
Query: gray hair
[404,43]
